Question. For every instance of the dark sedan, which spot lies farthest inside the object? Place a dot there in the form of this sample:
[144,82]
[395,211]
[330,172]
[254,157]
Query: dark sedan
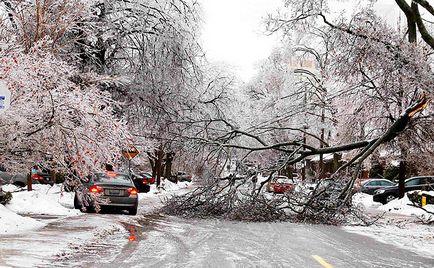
[111,190]
[142,181]
[387,194]
[369,186]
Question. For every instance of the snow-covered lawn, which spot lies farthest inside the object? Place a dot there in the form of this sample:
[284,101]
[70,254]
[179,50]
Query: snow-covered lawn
[44,200]
[402,206]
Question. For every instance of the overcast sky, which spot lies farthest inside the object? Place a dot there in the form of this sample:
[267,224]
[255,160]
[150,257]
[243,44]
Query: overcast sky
[233,33]
[233,30]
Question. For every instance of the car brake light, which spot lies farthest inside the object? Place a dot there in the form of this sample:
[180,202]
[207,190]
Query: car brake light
[36,177]
[132,191]
[95,189]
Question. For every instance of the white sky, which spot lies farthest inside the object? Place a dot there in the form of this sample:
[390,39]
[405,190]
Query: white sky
[233,33]
[233,30]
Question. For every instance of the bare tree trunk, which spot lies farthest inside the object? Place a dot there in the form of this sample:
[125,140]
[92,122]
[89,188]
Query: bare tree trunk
[303,170]
[169,160]
[29,182]
[401,185]
[159,164]
[152,161]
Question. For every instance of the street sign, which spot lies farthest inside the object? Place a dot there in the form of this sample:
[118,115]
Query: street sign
[5,97]
[130,153]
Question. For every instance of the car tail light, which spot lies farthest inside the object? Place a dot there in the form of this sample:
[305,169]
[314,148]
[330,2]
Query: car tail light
[36,177]
[132,191]
[95,189]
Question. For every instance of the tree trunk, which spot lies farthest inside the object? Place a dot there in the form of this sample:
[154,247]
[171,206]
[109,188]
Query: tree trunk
[152,162]
[29,182]
[402,171]
[169,160]
[158,164]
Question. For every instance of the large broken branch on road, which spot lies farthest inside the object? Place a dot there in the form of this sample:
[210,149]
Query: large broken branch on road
[327,203]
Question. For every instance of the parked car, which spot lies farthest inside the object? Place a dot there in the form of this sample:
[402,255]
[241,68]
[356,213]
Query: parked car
[20,180]
[142,182]
[116,188]
[280,184]
[369,186]
[41,175]
[387,194]
[182,176]
[147,177]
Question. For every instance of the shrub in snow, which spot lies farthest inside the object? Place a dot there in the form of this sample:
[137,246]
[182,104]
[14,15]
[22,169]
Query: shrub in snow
[6,198]
[416,197]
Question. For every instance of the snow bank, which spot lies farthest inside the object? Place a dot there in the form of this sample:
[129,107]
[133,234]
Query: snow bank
[152,200]
[11,222]
[404,206]
[172,187]
[45,200]
[364,201]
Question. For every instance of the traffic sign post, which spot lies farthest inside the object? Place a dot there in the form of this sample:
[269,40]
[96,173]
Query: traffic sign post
[129,154]
[5,97]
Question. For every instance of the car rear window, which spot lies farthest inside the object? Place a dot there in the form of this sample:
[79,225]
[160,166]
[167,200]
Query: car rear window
[112,178]
[146,175]
[412,182]
[387,183]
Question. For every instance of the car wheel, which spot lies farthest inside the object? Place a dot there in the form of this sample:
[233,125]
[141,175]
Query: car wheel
[19,184]
[390,198]
[77,204]
[133,211]
[146,188]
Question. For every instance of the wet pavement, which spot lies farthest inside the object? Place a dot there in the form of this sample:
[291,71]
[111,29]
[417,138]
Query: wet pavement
[173,242]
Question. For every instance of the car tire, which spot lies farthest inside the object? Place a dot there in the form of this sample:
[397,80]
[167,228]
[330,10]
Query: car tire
[146,188]
[19,184]
[132,211]
[77,204]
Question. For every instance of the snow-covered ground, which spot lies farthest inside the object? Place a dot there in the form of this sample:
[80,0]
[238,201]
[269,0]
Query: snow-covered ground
[44,200]
[78,231]
[11,222]
[51,201]
[400,224]
[42,226]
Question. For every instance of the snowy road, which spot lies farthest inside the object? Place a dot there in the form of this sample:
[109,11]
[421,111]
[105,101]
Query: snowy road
[173,242]
[108,240]
[111,240]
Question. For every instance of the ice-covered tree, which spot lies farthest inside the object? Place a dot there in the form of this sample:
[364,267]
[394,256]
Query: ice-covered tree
[58,116]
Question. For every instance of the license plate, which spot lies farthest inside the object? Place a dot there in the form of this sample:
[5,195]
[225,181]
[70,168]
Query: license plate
[113,192]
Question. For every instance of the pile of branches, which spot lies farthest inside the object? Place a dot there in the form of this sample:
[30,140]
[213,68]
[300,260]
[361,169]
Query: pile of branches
[324,205]
[228,198]
[236,199]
